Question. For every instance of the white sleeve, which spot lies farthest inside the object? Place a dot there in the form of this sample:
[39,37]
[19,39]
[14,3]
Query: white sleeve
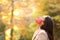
[43,36]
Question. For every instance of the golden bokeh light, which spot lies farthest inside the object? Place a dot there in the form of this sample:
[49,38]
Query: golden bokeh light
[20,12]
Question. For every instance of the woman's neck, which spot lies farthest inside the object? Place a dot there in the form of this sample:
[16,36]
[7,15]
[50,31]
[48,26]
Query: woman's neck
[38,27]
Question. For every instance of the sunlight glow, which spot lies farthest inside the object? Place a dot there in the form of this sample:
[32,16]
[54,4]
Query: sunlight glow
[3,17]
[7,33]
[15,27]
[16,12]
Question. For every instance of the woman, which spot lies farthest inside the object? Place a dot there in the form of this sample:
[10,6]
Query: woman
[40,34]
[48,27]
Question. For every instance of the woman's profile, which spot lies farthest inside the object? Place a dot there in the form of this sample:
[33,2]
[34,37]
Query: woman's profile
[44,29]
[40,34]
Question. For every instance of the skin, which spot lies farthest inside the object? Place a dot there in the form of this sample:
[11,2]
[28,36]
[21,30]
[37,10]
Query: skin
[40,25]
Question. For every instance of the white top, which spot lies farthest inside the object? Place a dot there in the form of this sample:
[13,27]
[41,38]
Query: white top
[40,34]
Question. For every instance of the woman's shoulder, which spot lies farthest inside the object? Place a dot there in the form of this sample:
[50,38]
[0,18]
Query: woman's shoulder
[42,31]
[42,35]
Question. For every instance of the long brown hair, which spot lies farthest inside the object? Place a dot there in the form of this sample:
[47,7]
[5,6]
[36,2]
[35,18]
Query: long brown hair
[48,27]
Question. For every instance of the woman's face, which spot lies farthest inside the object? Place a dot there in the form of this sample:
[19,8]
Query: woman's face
[40,21]
[40,25]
